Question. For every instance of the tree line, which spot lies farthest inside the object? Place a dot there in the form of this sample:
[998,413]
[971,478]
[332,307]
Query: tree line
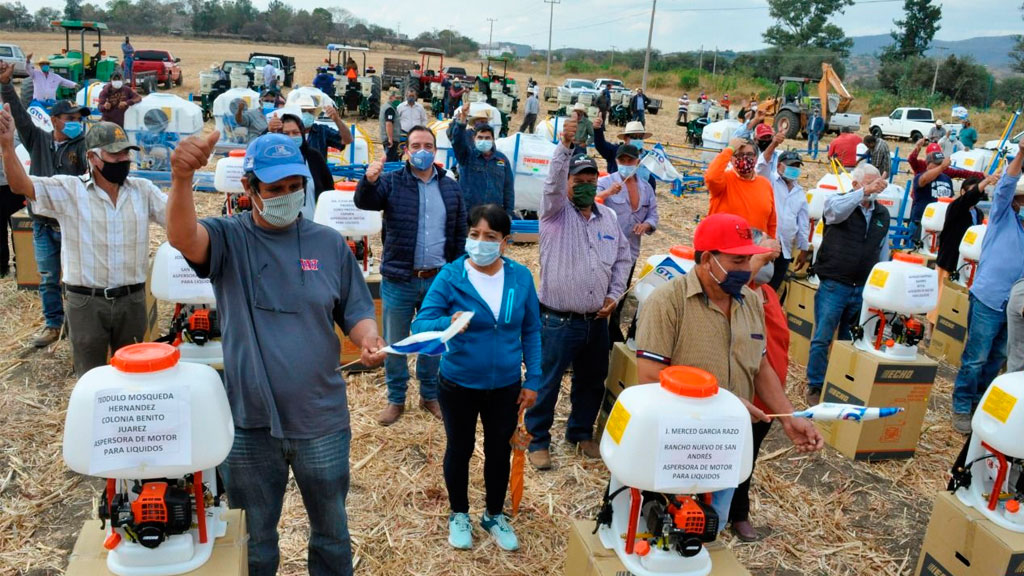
[278,23]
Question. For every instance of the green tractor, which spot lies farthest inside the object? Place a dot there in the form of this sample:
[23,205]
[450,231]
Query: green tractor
[77,64]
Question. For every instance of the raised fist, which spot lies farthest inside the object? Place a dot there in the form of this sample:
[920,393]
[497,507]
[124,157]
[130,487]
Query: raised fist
[374,170]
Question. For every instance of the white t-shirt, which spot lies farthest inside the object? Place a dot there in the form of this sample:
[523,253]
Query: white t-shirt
[489,287]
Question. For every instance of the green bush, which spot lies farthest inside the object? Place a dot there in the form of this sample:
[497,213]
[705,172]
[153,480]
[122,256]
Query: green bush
[688,79]
[578,66]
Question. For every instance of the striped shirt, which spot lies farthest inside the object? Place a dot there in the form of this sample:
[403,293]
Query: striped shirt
[582,261]
[103,245]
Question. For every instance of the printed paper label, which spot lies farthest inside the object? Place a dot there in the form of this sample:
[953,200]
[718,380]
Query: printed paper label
[689,453]
[133,428]
[999,404]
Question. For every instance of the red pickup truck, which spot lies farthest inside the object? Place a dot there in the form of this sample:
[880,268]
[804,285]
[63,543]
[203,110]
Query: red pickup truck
[160,61]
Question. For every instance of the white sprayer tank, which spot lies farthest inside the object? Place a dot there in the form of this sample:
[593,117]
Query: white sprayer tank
[999,423]
[175,281]
[891,199]
[829,185]
[359,152]
[935,215]
[530,155]
[337,209]
[147,382]
[90,96]
[157,124]
[717,134]
[902,285]
[977,159]
[655,430]
[970,245]
[227,176]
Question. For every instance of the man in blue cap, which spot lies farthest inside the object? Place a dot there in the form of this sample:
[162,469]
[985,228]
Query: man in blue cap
[282,283]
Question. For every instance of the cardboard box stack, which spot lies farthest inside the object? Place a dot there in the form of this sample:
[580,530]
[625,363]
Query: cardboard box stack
[950,331]
[865,379]
[24,253]
[621,375]
[349,351]
[230,552]
[800,315]
[586,556]
[961,542]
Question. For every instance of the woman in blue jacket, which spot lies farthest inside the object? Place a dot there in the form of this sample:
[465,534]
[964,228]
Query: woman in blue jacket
[481,373]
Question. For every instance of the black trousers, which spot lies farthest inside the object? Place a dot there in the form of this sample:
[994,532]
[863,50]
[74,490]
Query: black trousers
[740,509]
[499,414]
[781,267]
[10,203]
[528,123]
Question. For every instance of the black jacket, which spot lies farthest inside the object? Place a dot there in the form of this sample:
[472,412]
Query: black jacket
[958,220]
[849,249]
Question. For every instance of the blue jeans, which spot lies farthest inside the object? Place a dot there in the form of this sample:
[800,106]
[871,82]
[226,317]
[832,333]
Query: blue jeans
[721,501]
[46,242]
[128,65]
[256,475]
[401,301]
[584,344]
[812,145]
[836,305]
[984,354]
[640,116]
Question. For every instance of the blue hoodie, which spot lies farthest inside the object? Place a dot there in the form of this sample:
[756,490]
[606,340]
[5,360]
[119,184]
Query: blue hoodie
[489,354]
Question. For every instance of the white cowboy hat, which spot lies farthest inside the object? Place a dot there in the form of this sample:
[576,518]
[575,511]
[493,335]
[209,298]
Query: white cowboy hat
[579,107]
[635,129]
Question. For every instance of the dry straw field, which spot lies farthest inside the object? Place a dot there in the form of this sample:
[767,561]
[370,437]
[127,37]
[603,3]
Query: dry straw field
[823,514]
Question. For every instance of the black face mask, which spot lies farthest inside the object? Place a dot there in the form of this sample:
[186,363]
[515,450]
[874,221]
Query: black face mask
[763,145]
[116,172]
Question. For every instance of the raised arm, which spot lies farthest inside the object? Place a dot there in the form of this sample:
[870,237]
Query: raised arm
[371,192]
[929,175]
[183,229]
[556,186]
[714,176]
[27,129]
[343,136]
[17,179]
[460,137]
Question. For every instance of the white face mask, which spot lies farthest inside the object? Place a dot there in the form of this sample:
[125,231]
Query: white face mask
[117,84]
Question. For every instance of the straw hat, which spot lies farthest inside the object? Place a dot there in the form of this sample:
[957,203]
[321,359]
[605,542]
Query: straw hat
[579,107]
[635,129]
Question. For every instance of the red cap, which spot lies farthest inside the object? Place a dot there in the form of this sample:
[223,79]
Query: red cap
[145,357]
[688,381]
[726,233]
[763,131]
[932,148]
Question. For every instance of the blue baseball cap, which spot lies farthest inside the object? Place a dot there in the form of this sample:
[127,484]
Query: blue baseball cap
[274,157]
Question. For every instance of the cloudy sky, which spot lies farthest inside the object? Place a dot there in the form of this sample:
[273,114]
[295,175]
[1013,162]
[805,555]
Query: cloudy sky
[679,24]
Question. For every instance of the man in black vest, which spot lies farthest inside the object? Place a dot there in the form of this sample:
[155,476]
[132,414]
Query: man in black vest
[856,238]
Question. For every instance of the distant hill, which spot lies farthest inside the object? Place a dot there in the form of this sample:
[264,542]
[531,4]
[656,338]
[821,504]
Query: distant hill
[992,51]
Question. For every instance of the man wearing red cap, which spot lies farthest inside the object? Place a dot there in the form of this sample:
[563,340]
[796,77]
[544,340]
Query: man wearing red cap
[930,185]
[730,341]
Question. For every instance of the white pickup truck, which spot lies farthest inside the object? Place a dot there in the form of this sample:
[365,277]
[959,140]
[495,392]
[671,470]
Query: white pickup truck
[911,123]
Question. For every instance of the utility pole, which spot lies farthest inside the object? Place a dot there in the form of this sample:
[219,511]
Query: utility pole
[613,55]
[647,55]
[490,37]
[551,22]
[938,61]
[700,64]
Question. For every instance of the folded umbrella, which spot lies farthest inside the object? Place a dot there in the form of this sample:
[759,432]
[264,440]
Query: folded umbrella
[433,343]
[831,412]
[520,442]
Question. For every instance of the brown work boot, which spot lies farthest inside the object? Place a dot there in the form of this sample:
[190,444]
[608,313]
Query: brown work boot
[432,406]
[589,448]
[744,530]
[390,414]
[540,459]
[46,337]
[812,397]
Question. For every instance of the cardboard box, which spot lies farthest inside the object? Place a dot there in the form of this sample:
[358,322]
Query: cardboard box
[586,556]
[864,379]
[961,542]
[24,252]
[349,351]
[950,331]
[230,552]
[800,316]
[621,375]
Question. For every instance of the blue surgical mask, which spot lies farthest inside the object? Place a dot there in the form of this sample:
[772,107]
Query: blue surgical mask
[45,68]
[421,159]
[484,146]
[308,119]
[268,107]
[72,129]
[483,253]
[791,173]
[297,139]
[734,280]
[626,171]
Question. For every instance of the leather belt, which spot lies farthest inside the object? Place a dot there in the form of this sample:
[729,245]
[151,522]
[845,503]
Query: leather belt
[426,273]
[108,293]
[568,315]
